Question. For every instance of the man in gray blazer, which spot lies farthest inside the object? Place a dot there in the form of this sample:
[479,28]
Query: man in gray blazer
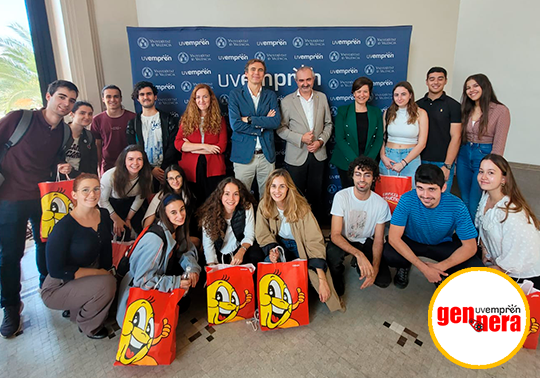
[306,126]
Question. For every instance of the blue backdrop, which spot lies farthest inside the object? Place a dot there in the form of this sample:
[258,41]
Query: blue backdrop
[177,59]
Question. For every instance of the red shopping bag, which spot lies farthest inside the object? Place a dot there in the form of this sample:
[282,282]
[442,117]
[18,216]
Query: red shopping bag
[149,330]
[119,249]
[283,294]
[533,297]
[391,188]
[56,203]
[229,293]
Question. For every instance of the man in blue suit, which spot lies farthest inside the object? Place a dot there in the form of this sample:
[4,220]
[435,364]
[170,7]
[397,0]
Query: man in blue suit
[254,115]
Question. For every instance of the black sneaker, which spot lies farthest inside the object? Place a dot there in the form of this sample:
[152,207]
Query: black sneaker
[12,321]
[401,279]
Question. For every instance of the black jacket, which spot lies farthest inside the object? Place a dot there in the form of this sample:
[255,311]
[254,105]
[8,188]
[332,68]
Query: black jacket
[87,147]
[169,129]
[238,224]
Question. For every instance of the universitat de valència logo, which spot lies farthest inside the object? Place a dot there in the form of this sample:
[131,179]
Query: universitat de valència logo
[479,318]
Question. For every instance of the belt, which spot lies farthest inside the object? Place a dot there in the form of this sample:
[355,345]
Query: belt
[258,152]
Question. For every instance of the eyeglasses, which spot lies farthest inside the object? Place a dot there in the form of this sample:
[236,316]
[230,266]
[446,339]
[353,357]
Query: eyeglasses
[177,178]
[86,191]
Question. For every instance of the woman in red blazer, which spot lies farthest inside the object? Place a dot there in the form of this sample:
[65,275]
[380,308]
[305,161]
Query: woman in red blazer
[202,139]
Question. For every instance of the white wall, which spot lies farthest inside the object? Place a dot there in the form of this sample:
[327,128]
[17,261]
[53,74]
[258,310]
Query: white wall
[112,18]
[434,22]
[502,40]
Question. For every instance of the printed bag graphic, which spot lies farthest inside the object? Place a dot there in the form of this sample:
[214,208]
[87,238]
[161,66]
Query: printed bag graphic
[391,188]
[533,297]
[149,330]
[56,203]
[229,293]
[283,294]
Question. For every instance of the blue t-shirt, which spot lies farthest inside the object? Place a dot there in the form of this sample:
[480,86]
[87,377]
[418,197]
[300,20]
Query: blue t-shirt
[433,226]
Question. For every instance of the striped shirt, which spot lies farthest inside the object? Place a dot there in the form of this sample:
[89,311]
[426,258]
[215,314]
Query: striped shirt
[433,226]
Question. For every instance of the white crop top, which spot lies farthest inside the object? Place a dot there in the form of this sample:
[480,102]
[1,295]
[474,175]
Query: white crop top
[401,132]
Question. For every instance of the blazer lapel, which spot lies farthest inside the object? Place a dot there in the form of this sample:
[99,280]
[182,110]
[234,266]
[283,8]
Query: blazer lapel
[249,100]
[300,109]
[315,113]
[353,128]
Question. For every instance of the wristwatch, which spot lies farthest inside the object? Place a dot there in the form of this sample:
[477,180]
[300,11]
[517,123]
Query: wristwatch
[249,120]
[447,166]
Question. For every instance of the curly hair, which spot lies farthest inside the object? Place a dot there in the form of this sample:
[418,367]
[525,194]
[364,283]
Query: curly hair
[296,206]
[121,174]
[412,108]
[212,213]
[191,119]
[367,164]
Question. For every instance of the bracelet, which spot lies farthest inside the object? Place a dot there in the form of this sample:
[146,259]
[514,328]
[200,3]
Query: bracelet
[405,161]
[245,249]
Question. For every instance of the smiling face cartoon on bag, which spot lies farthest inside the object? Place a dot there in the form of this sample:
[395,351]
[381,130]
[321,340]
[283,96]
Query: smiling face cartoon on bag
[55,205]
[138,334]
[223,302]
[276,304]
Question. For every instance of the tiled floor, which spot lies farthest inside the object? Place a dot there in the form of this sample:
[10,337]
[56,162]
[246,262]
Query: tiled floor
[368,340]
[357,343]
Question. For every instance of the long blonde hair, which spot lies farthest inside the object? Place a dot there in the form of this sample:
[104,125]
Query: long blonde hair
[296,206]
[191,119]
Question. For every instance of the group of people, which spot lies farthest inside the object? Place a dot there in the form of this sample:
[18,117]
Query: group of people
[167,175]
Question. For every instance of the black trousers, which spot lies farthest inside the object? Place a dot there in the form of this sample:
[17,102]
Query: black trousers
[335,257]
[123,206]
[437,252]
[346,181]
[204,186]
[309,178]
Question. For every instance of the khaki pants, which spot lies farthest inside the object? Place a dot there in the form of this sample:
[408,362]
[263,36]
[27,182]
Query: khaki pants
[258,166]
[88,299]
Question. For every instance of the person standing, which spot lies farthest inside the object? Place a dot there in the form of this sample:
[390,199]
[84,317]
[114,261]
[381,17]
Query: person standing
[306,126]
[444,115]
[254,115]
[359,130]
[485,123]
[109,128]
[154,130]
[26,164]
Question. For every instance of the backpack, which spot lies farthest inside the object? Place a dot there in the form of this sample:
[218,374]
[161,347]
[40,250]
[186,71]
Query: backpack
[21,129]
[123,265]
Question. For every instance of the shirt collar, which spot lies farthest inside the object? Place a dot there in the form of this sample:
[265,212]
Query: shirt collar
[299,95]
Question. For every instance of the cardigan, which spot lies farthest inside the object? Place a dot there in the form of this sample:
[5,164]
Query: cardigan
[309,241]
[72,246]
[346,134]
[215,163]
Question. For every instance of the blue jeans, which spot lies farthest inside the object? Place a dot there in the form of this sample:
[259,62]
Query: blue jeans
[450,176]
[14,216]
[468,163]
[397,155]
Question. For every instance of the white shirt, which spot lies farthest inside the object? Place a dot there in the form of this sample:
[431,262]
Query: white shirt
[285,228]
[359,217]
[256,99]
[513,245]
[230,243]
[307,105]
[153,139]
[132,190]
